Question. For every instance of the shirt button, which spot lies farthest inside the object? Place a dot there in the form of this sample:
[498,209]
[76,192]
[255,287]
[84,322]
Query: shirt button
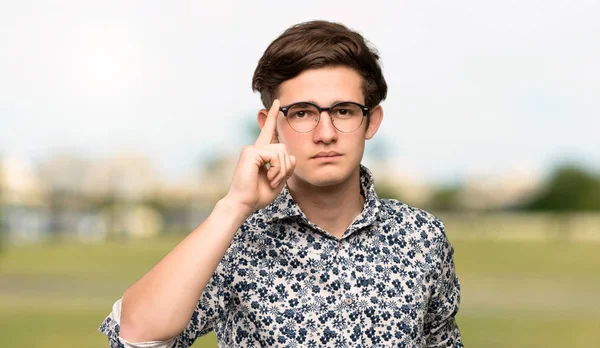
[340,246]
[348,301]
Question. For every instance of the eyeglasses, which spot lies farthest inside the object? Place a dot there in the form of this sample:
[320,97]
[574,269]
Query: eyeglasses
[346,117]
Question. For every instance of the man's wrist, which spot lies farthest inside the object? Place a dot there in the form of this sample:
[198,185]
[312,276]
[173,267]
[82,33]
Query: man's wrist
[232,209]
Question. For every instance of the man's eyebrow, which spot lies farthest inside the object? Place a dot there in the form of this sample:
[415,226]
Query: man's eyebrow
[334,102]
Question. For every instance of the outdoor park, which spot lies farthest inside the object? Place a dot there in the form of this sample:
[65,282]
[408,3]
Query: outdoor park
[121,124]
[529,267]
[515,292]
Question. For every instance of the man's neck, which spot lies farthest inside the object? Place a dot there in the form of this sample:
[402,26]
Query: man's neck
[323,205]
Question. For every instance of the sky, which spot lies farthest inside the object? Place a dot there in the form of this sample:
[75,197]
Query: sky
[475,87]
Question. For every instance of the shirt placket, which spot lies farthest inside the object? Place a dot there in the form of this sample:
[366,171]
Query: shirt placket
[343,274]
[346,297]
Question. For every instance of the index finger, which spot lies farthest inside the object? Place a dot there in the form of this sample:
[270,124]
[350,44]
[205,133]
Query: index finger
[268,130]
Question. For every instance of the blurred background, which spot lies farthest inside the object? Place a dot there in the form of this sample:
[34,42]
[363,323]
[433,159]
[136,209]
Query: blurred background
[120,124]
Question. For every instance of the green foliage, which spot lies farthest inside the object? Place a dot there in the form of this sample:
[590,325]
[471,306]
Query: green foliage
[446,198]
[387,191]
[570,188]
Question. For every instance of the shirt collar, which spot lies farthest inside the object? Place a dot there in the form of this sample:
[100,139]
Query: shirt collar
[284,205]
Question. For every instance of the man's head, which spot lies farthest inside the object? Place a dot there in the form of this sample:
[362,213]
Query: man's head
[313,45]
[323,63]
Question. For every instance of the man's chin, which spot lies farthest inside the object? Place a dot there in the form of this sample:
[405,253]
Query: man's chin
[324,182]
[322,176]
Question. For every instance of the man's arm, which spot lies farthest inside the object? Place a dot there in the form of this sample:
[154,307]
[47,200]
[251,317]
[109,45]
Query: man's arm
[159,306]
[440,328]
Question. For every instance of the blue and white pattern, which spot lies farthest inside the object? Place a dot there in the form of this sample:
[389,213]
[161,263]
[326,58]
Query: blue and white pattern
[388,281]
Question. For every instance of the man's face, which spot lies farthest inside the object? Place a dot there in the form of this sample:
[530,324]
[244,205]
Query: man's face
[324,87]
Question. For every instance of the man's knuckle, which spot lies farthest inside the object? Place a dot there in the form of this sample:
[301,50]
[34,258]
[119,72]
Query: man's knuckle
[248,149]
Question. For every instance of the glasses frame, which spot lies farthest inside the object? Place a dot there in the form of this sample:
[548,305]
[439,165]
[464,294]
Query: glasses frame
[365,110]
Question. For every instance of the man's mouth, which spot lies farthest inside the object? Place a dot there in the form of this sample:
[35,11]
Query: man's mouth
[326,154]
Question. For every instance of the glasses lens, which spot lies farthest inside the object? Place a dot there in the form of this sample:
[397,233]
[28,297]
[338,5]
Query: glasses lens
[347,117]
[303,117]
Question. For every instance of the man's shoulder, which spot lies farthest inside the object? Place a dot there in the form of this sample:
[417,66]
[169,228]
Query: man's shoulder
[250,232]
[421,230]
[259,223]
[410,216]
[255,222]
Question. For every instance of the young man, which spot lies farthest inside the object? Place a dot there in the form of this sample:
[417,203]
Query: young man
[301,251]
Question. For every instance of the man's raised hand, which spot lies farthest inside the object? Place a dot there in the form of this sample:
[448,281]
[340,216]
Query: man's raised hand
[254,185]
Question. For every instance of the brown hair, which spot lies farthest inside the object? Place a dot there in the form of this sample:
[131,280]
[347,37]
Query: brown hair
[313,45]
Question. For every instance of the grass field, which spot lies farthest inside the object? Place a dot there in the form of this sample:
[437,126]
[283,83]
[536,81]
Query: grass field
[515,294]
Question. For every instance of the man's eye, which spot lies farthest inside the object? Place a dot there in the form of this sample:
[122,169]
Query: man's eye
[300,114]
[343,112]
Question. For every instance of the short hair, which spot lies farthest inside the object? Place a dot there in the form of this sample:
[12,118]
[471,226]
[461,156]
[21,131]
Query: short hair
[318,44]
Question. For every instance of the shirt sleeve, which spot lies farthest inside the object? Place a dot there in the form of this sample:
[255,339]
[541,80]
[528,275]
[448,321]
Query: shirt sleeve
[210,307]
[440,326]
[110,327]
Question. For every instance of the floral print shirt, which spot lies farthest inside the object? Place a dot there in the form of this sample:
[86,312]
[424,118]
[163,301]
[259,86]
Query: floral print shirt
[388,281]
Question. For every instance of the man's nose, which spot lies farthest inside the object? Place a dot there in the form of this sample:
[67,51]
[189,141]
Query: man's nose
[325,131]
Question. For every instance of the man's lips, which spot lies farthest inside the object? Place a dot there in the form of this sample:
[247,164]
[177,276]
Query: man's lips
[325,154]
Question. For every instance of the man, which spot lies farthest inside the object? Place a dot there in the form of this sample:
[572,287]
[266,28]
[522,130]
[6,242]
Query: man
[301,251]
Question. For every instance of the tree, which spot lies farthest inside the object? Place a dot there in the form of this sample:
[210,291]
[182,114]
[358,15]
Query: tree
[570,188]
[446,198]
[385,190]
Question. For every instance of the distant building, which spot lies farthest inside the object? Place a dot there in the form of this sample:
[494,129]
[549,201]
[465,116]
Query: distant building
[126,176]
[22,196]
[500,191]
[408,187]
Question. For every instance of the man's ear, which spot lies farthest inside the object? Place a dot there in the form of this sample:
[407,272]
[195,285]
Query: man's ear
[262,118]
[374,121]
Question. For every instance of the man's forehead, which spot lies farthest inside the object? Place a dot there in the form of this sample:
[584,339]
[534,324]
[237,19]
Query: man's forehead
[323,86]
